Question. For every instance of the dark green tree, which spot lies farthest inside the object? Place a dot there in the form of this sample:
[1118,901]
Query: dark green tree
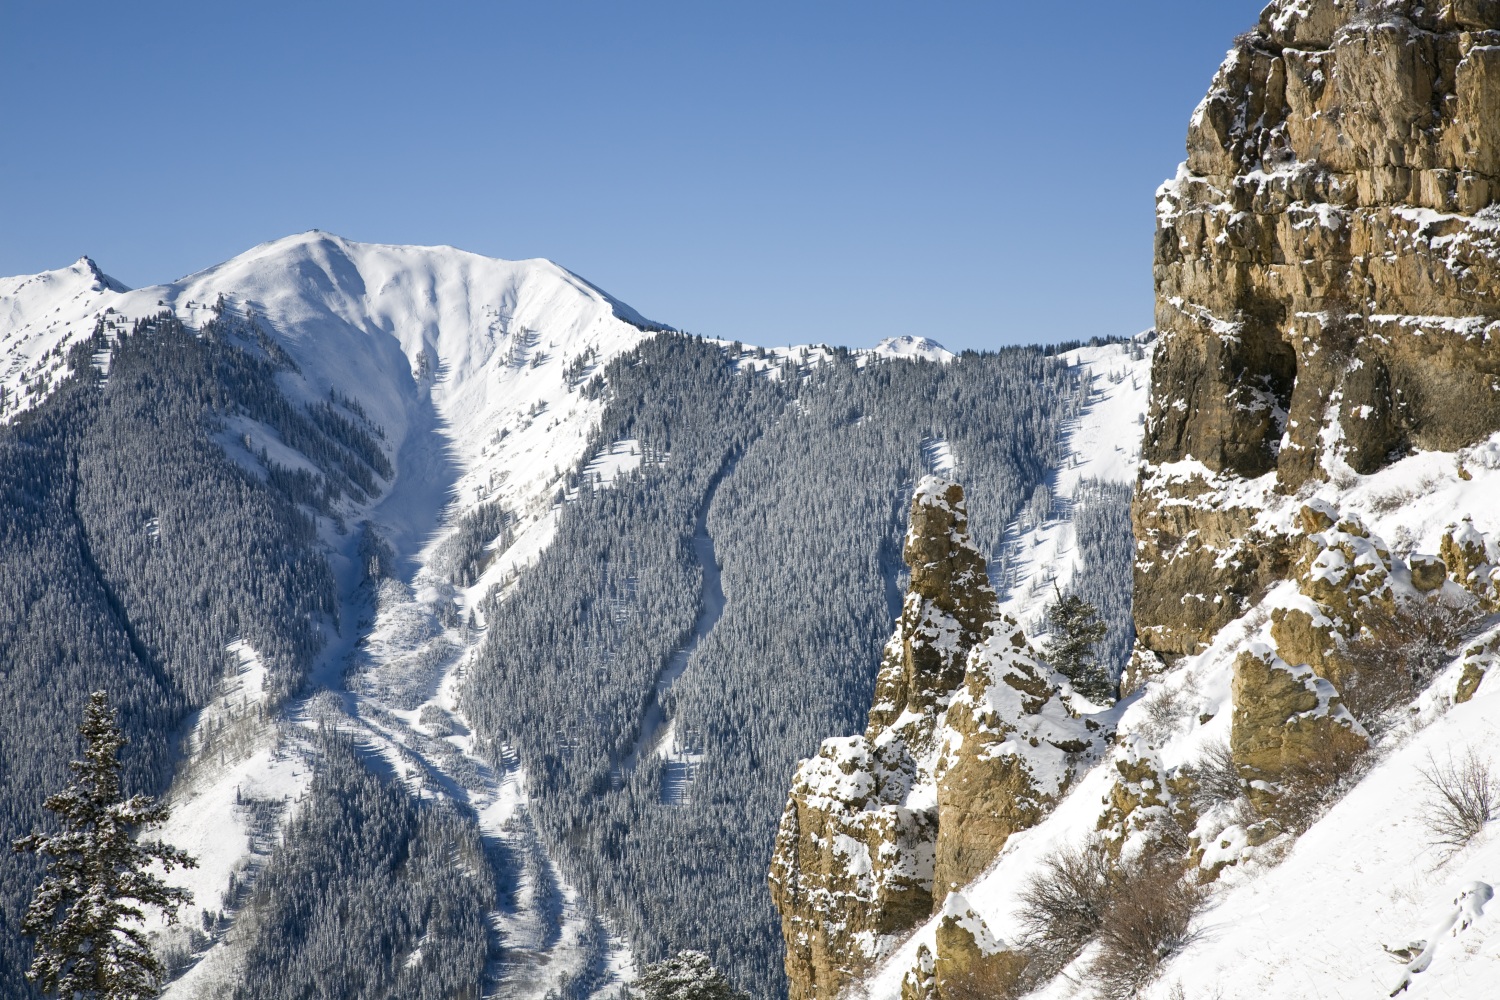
[1076,630]
[85,911]
[687,975]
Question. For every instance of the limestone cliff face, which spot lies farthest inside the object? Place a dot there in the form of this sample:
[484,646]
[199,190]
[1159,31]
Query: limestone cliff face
[1328,286]
[968,741]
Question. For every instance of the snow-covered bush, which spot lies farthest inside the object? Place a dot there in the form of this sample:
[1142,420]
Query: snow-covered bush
[1464,795]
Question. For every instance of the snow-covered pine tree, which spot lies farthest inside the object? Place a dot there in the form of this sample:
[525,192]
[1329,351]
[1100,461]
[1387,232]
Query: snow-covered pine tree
[1076,630]
[687,975]
[82,912]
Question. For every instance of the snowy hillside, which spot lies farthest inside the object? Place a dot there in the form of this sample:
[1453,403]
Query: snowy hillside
[1320,915]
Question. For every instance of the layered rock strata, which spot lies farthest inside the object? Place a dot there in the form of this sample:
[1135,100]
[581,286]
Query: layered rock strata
[1327,270]
[968,741]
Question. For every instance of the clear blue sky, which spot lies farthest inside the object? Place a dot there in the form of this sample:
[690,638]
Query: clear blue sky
[981,173]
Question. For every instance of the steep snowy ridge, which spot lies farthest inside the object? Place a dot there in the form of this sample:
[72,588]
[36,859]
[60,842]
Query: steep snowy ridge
[40,316]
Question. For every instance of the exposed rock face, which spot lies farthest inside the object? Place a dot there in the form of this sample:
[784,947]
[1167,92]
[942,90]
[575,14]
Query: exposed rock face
[1473,561]
[1145,799]
[853,861]
[967,742]
[1328,284]
[970,961]
[1342,572]
[1286,717]
[1008,753]
[947,607]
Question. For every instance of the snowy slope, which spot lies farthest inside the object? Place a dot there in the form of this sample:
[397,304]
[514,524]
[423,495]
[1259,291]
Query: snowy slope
[1104,444]
[1367,875]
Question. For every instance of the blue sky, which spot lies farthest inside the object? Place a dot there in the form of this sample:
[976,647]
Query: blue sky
[981,173]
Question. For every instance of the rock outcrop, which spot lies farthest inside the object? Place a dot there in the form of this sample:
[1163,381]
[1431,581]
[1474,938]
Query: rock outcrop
[969,960]
[968,741]
[1328,285]
[1327,270]
[1009,749]
[1287,720]
[1343,577]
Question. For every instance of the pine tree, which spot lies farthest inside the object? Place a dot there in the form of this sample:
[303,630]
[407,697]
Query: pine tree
[82,912]
[687,975]
[1076,630]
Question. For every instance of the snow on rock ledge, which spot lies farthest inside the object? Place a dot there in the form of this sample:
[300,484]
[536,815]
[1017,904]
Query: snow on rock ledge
[968,741]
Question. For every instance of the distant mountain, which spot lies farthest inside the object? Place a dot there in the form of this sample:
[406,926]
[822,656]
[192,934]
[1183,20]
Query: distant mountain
[913,347]
[405,553]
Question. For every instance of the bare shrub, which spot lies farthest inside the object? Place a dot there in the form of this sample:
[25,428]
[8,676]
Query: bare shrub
[1216,779]
[1147,922]
[1139,911]
[1163,711]
[1063,905]
[1400,651]
[1463,798]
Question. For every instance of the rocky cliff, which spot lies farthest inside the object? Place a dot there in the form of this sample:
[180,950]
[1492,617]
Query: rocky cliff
[1328,285]
[1317,523]
[1328,289]
[969,740]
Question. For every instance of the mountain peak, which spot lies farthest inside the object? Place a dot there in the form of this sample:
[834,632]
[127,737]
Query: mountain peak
[102,281]
[913,347]
[337,305]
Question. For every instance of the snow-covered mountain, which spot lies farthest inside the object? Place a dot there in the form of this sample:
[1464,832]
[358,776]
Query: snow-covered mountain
[469,368]
[386,325]
[910,346]
[476,390]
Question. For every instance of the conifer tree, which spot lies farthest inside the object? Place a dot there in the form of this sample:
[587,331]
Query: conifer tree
[98,877]
[1076,630]
[687,975]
